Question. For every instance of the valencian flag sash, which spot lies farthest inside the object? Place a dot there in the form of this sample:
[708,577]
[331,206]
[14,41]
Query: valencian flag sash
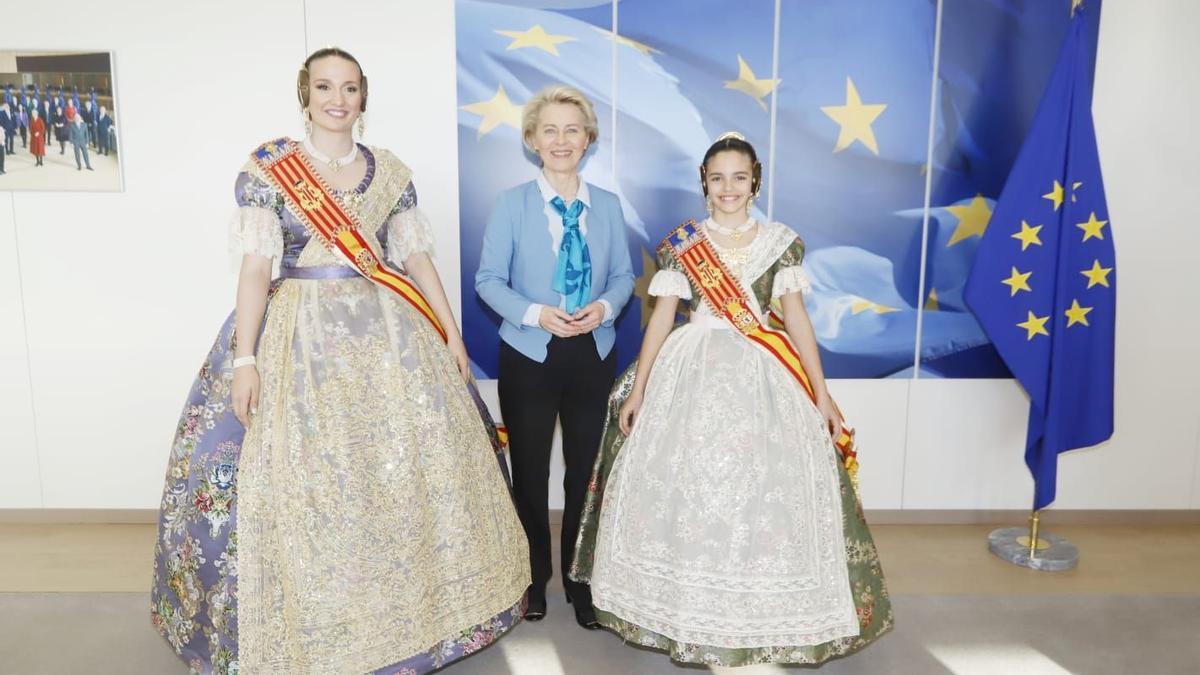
[310,200]
[725,296]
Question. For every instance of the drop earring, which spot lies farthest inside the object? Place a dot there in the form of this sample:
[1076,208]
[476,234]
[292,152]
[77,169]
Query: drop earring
[362,125]
[307,124]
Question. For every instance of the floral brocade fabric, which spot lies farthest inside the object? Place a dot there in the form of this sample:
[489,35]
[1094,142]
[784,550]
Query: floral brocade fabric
[363,523]
[724,530]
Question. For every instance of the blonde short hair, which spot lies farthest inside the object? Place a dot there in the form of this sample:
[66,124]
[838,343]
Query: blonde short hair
[559,93]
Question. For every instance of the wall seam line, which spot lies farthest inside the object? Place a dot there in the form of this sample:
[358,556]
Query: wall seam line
[37,444]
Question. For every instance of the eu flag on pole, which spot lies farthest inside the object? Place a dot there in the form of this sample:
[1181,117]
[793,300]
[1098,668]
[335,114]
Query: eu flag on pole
[1043,284]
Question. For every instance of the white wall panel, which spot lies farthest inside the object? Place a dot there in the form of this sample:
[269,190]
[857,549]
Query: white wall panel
[965,446]
[878,410]
[20,479]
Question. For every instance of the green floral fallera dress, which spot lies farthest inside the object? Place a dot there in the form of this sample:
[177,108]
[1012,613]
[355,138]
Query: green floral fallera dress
[724,530]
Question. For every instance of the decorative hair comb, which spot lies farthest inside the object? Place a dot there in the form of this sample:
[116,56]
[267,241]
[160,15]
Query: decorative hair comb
[730,134]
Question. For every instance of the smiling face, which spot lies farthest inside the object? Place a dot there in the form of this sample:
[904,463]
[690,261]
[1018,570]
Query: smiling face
[560,137]
[729,178]
[335,98]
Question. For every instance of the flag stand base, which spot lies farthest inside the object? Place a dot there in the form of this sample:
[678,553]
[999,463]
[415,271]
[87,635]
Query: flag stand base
[1053,554]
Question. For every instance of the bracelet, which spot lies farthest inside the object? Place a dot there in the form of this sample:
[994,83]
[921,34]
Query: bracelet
[243,361]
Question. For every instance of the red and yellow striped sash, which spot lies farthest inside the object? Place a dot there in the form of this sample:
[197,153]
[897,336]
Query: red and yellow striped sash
[724,295]
[310,200]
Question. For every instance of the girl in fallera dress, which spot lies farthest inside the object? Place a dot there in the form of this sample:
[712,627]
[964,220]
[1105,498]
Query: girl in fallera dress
[333,499]
[721,524]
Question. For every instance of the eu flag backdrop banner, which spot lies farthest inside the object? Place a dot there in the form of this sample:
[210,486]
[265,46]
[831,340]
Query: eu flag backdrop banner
[1044,283]
[849,144]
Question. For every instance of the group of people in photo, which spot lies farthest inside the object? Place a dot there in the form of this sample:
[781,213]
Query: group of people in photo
[338,497]
[43,116]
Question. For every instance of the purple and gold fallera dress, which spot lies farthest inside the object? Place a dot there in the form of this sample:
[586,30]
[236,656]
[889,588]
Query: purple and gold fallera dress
[361,524]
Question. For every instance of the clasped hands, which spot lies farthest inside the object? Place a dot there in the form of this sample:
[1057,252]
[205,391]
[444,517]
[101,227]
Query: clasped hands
[585,320]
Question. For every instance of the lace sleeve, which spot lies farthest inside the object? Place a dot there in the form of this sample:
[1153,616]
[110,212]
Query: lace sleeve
[255,228]
[669,279]
[409,232]
[789,277]
[790,280]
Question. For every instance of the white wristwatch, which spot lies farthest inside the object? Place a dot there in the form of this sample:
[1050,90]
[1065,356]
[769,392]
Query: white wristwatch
[243,361]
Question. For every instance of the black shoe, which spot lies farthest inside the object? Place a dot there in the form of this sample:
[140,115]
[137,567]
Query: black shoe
[535,604]
[585,615]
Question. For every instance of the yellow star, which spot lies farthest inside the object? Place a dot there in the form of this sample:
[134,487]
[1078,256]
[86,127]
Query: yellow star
[1092,228]
[1028,235]
[931,304]
[496,111]
[1075,4]
[750,85]
[1077,314]
[1097,275]
[536,37]
[1018,281]
[861,305]
[972,219]
[627,42]
[1035,325]
[1055,195]
[641,287]
[855,120]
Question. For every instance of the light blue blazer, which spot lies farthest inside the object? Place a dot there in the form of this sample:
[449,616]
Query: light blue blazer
[517,264]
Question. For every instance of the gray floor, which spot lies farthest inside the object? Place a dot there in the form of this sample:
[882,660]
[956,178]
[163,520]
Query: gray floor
[102,633]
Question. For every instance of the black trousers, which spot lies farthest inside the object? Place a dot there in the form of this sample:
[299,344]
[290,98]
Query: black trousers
[572,385]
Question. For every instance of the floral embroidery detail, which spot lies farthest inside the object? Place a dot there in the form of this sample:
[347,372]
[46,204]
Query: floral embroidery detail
[171,623]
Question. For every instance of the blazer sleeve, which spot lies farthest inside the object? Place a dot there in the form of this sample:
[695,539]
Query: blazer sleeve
[493,280]
[619,286]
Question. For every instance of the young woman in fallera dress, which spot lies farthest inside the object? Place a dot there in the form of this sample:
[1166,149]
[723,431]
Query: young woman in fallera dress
[721,525]
[333,501]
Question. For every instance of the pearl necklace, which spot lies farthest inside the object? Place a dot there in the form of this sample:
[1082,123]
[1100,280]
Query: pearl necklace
[735,232]
[335,164]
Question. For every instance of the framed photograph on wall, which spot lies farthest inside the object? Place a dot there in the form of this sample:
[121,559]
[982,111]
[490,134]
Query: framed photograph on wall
[58,122]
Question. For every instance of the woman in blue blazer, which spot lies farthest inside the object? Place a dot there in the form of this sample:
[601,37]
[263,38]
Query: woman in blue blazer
[555,266]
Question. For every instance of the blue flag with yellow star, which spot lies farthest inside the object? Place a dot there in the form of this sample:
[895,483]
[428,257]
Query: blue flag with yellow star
[1043,285]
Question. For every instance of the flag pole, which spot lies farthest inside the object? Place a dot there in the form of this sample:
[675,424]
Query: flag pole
[1033,541]
[1034,521]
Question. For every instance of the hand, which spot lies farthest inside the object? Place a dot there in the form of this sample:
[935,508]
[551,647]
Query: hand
[587,319]
[830,414]
[458,350]
[245,393]
[557,322]
[629,411]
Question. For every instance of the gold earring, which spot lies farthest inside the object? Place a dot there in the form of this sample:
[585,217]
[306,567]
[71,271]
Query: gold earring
[362,125]
[709,205]
[750,204]
[307,123]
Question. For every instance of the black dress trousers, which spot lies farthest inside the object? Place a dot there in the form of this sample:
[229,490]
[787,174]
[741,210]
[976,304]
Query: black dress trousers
[572,384]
